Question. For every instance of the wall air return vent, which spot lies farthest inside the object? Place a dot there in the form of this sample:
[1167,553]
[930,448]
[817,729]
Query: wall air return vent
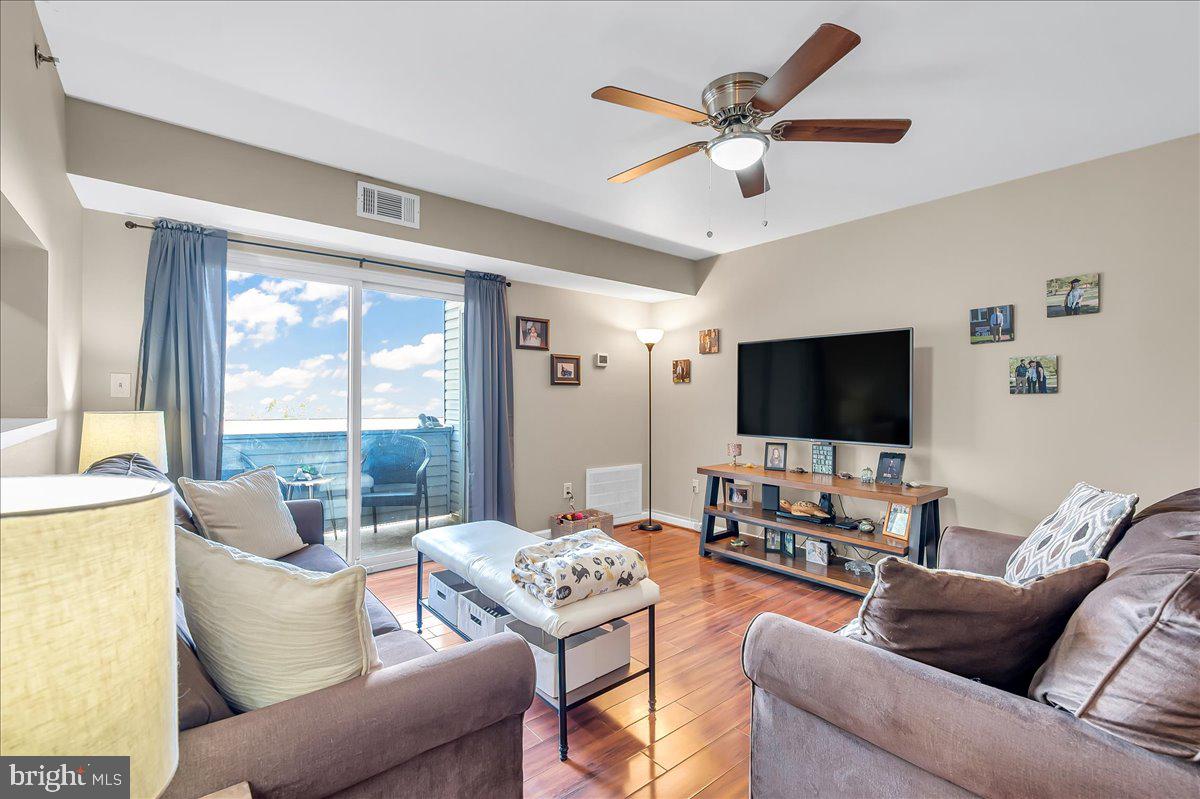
[389,205]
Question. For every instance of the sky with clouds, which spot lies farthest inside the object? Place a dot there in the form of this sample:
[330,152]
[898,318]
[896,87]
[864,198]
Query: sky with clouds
[286,351]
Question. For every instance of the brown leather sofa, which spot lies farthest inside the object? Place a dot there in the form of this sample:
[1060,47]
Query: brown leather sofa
[835,717]
[435,725]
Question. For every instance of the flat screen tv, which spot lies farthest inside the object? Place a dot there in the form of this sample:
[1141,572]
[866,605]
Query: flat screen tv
[849,388]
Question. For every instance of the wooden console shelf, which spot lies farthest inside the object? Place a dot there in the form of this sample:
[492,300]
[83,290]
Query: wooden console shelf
[920,548]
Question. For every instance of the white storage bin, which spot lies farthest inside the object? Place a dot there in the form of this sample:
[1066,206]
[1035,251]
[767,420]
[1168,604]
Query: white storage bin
[590,654]
[479,617]
[444,588]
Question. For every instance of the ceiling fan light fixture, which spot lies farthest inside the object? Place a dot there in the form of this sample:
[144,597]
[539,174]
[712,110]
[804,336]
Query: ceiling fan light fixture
[738,147]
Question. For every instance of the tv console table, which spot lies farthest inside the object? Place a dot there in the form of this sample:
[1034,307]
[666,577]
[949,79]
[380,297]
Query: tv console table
[924,526]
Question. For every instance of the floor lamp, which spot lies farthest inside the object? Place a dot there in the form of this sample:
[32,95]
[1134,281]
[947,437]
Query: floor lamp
[650,336]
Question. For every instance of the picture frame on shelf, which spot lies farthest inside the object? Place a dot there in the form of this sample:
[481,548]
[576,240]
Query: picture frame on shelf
[899,518]
[788,541]
[565,370]
[775,456]
[890,469]
[533,333]
[771,540]
[737,494]
[816,552]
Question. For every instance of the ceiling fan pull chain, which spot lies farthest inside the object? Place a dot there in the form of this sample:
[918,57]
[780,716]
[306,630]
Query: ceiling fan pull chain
[710,231]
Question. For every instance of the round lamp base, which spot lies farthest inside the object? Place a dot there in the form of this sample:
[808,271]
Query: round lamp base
[649,526]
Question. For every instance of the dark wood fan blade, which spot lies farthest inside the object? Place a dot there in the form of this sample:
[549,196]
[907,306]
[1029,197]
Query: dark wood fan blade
[753,180]
[869,131]
[655,163]
[613,94]
[822,50]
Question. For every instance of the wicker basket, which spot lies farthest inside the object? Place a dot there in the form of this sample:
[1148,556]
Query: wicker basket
[592,519]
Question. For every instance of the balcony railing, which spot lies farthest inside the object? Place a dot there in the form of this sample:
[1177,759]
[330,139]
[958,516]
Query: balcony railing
[323,454]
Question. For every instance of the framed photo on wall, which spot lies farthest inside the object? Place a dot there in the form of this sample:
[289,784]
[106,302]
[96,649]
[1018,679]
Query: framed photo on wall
[533,333]
[899,517]
[564,370]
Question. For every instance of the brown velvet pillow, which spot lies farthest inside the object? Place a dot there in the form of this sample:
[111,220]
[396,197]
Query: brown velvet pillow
[979,627]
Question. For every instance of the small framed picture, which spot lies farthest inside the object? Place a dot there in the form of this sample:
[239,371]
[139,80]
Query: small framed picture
[1073,295]
[771,540]
[816,552]
[681,371]
[788,541]
[1033,374]
[890,470]
[992,324]
[898,519]
[564,370]
[533,333]
[737,494]
[710,341]
[775,456]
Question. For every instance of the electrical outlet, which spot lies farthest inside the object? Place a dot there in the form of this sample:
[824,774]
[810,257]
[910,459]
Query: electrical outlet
[119,384]
[695,486]
[567,490]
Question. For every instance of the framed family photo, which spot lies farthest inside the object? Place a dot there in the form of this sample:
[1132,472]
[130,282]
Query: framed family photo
[681,371]
[533,333]
[1033,374]
[1073,295]
[771,540]
[564,370]
[898,519]
[710,341]
[992,324]
[775,456]
[737,494]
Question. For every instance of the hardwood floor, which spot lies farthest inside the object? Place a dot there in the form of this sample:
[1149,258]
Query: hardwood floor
[698,742]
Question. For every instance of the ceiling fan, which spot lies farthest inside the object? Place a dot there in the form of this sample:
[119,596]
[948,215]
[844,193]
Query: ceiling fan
[736,103]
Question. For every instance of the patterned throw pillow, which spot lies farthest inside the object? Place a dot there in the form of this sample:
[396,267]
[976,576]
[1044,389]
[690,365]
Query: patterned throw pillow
[1085,526]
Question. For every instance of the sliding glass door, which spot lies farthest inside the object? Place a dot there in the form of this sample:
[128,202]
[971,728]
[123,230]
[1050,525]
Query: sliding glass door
[350,389]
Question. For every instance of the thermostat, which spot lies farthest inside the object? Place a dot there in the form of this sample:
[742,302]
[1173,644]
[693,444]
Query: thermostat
[600,359]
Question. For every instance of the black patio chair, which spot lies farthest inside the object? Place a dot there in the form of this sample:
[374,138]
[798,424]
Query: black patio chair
[396,466]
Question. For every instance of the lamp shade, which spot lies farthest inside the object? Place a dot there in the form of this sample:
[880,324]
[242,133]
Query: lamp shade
[649,335]
[87,622]
[108,433]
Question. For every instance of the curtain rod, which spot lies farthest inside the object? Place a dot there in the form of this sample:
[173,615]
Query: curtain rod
[358,260]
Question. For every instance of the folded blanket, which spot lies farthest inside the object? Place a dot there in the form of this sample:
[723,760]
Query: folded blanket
[574,567]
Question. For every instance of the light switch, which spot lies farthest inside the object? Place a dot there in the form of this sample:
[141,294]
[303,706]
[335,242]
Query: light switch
[119,383]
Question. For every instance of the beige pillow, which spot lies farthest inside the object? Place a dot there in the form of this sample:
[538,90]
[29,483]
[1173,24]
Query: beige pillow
[268,631]
[979,627]
[245,512]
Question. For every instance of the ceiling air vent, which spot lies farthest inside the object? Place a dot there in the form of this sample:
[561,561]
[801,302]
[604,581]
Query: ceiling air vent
[389,205]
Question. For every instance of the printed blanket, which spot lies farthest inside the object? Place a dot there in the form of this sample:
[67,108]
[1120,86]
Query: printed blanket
[576,566]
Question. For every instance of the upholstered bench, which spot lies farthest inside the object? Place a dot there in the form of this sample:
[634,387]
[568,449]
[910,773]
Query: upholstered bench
[482,553]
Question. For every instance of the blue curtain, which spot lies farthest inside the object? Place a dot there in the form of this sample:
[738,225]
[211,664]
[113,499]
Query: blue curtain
[181,366]
[487,354]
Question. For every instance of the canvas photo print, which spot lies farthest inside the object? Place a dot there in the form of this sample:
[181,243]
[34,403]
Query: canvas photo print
[1033,374]
[681,371]
[710,341]
[992,324]
[1073,295]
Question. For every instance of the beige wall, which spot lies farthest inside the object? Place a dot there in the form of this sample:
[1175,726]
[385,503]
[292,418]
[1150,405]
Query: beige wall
[560,430]
[1128,415]
[33,178]
[120,147]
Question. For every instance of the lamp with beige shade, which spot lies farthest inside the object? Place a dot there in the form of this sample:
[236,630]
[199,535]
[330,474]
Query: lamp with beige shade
[87,622]
[108,433]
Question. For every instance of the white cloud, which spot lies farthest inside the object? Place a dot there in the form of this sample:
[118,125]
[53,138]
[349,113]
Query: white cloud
[234,276]
[233,337]
[306,290]
[338,314]
[257,316]
[384,388]
[340,392]
[315,362]
[434,374]
[428,352]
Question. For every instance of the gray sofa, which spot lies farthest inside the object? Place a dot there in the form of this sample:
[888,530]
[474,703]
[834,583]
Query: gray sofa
[835,717]
[429,724]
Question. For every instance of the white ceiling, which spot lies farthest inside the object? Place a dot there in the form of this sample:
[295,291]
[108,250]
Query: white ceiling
[489,102]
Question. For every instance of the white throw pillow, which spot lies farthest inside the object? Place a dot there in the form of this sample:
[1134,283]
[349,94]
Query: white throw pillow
[1083,527]
[245,512]
[268,631]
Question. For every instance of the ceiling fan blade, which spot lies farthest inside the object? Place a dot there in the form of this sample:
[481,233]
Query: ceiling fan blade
[753,180]
[655,163]
[869,131]
[822,50]
[613,94]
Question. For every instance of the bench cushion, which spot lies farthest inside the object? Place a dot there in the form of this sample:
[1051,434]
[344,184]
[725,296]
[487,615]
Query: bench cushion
[483,553]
